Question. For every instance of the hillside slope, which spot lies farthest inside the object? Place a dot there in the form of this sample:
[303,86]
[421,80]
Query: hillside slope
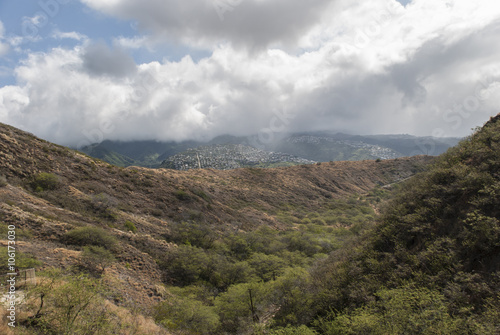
[109,156]
[76,213]
[432,265]
[169,195]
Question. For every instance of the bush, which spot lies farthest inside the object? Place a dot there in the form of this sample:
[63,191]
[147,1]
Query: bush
[103,204]
[96,259]
[202,195]
[293,292]
[68,305]
[130,226]
[267,267]
[237,311]
[86,236]
[407,310]
[3,181]
[45,182]
[185,265]
[289,330]
[22,260]
[182,195]
[195,234]
[187,314]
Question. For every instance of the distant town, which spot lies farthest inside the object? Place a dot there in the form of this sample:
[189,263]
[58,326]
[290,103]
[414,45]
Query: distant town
[374,150]
[229,156]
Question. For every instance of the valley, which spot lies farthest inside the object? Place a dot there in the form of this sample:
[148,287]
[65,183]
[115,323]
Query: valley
[177,252]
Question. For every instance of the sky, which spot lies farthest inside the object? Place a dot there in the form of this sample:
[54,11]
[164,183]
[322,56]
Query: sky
[77,72]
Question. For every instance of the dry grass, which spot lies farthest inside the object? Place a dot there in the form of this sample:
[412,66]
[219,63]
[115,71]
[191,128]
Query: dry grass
[4,327]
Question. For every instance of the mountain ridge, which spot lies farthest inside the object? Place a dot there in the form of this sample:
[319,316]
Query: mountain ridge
[338,147]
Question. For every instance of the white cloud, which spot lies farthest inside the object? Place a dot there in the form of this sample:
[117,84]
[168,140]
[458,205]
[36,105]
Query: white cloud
[133,43]
[371,68]
[69,35]
[13,101]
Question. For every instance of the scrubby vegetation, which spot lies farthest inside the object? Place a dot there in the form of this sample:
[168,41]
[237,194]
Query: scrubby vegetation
[3,181]
[23,260]
[72,304]
[45,182]
[85,236]
[130,226]
[224,253]
[431,265]
[96,259]
[244,280]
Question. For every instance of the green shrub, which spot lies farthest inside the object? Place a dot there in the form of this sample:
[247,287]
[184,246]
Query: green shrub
[237,311]
[68,305]
[22,260]
[45,182]
[267,267]
[398,311]
[289,330]
[130,226]
[96,259]
[86,236]
[195,234]
[202,195]
[292,290]
[182,195]
[187,314]
[185,265]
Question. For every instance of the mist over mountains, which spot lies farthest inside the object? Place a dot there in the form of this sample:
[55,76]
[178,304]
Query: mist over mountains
[312,147]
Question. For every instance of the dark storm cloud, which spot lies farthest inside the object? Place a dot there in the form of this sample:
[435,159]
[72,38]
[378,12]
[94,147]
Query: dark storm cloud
[251,24]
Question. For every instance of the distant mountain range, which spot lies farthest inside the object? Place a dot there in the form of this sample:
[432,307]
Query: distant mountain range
[226,152]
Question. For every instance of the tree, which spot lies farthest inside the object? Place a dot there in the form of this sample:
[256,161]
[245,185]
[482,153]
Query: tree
[68,305]
[242,305]
[187,314]
[96,259]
